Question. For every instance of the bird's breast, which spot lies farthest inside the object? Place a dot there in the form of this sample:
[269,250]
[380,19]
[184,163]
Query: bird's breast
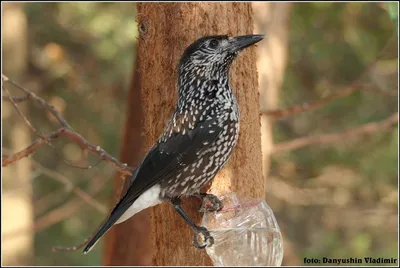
[193,176]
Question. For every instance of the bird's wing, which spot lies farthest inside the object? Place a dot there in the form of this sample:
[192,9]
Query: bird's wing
[165,160]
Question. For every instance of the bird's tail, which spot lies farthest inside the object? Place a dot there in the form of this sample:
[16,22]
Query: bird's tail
[111,220]
[114,216]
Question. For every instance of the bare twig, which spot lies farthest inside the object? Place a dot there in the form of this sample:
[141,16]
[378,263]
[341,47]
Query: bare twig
[82,244]
[75,189]
[54,198]
[11,158]
[41,101]
[306,107]
[369,128]
[65,131]
[390,93]
[70,186]
[355,86]
[16,99]
[49,201]
[55,216]
[76,138]
[27,122]
[74,248]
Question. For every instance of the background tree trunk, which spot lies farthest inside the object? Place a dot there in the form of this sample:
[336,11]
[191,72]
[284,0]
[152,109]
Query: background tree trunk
[17,199]
[158,236]
[273,20]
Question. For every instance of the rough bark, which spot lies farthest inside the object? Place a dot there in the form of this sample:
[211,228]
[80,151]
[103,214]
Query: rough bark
[158,236]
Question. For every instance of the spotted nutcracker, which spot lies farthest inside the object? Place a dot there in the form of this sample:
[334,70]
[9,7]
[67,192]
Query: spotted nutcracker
[196,142]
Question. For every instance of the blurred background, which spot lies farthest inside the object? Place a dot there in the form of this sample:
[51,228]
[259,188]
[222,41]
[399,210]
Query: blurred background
[336,199]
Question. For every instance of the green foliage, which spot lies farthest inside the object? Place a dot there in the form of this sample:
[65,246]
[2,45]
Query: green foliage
[393,10]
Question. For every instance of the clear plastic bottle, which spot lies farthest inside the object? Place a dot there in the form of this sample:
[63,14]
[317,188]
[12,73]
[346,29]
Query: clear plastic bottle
[245,233]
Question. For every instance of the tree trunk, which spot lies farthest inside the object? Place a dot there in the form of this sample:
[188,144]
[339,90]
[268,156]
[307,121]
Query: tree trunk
[273,19]
[158,236]
[17,184]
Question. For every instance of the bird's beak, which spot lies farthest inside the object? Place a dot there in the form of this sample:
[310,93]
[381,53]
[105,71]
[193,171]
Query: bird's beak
[238,43]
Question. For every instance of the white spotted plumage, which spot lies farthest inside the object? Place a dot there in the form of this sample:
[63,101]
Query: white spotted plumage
[199,138]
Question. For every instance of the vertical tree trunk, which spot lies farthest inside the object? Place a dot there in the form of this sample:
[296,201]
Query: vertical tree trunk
[17,198]
[158,236]
[273,19]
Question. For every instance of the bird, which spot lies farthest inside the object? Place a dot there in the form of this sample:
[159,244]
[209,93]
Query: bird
[196,142]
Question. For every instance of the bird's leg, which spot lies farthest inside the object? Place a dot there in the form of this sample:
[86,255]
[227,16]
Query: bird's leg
[176,202]
[210,203]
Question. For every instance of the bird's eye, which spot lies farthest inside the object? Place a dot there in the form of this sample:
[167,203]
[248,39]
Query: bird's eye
[213,44]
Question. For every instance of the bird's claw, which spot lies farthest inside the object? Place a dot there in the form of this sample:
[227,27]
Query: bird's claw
[213,204]
[208,239]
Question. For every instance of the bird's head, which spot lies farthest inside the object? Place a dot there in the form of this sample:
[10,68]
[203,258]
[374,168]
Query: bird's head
[211,55]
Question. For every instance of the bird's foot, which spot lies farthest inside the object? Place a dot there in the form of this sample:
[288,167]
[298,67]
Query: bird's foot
[210,203]
[208,240]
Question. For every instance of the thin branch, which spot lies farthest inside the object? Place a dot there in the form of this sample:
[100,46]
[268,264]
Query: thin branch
[76,138]
[335,137]
[16,99]
[53,199]
[80,245]
[71,187]
[41,101]
[49,201]
[27,122]
[55,216]
[355,86]
[65,131]
[80,167]
[74,248]
[47,106]
[306,107]
[11,158]
[369,128]
[344,93]
[390,93]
